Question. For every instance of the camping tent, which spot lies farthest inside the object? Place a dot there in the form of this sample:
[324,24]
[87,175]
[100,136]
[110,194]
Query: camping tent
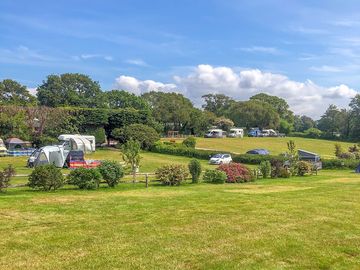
[17,147]
[258,152]
[48,155]
[85,143]
[3,150]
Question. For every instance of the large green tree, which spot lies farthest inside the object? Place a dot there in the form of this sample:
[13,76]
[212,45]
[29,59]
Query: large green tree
[302,123]
[355,117]
[70,89]
[330,121]
[254,113]
[119,99]
[279,104]
[13,93]
[217,103]
[171,109]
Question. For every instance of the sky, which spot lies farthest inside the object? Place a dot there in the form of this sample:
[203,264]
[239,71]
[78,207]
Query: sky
[307,52]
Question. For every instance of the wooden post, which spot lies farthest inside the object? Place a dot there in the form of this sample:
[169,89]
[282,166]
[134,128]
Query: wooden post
[147,180]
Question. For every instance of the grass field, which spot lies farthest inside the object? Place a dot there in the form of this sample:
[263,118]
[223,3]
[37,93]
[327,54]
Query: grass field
[276,146]
[298,223]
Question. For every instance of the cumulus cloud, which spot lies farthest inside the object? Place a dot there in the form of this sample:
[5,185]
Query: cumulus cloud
[139,87]
[32,91]
[303,97]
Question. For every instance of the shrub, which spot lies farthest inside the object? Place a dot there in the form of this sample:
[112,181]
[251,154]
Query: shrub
[44,140]
[84,178]
[313,133]
[195,170]
[46,177]
[338,150]
[144,134]
[284,173]
[214,176]
[340,163]
[172,174]
[236,172]
[5,177]
[189,142]
[276,168]
[99,134]
[265,168]
[111,172]
[347,156]
[303,167]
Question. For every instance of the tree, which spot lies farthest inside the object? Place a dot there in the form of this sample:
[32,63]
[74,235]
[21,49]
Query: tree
[13,93]
[171,109]
[355,117]
[330,121]
[70,89]
[279,104]
[217,103]
[119,99]
[224,123]
[131,155]
[145,135]
[302,123]
[254,113]
[200,121]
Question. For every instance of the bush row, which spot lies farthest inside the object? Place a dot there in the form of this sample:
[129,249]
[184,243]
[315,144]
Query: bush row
[340,163]
[180,150]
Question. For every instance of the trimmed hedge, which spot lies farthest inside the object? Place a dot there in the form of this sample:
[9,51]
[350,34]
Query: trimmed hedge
[255,159]
[340,163]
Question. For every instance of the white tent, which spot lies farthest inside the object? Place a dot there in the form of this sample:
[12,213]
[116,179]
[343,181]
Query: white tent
[78,142]
[54,154]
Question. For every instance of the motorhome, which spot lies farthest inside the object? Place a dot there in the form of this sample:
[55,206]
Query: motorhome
[236,133]
[85,143]
[215,133]
[254,132]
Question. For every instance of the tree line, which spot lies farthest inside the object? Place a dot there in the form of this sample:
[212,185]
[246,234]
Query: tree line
[74,102]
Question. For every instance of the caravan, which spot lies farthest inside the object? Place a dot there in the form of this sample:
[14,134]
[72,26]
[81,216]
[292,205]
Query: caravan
[85,143]
[236,133]
[3,150]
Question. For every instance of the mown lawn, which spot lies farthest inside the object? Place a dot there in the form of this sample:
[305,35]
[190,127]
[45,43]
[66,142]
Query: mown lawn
[276,146]
[298,223]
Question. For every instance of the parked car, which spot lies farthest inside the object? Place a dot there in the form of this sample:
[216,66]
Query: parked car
[236,133]
[220,159]
[215,133]
[258,152]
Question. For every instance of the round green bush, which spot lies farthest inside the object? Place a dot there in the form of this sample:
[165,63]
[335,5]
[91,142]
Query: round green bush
[172,174]
[84,178]
[265,168]
[214,176]
[195,170]
[46,177]
[111,172]
[303,167]
[189,142]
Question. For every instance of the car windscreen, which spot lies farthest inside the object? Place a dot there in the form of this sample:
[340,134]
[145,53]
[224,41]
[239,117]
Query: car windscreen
[217,156]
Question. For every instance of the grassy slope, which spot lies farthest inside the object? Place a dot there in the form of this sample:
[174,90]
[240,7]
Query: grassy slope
[275,145]
[299,223]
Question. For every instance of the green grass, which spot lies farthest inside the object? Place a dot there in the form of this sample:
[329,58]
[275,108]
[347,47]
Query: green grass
[299,223]
[276,146]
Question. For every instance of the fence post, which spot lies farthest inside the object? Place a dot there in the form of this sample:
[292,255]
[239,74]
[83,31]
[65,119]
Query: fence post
[147,180]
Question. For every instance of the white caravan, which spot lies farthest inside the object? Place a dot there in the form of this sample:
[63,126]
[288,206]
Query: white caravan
[236,133]
[215,133]
[85,143]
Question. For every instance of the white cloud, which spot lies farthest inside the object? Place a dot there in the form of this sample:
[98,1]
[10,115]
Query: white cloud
[139,87]
[137,62]
[92,56]
[303,97]
[32,91]
[260,49]
[326,68]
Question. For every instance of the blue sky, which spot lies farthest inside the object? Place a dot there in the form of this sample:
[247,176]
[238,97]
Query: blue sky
[305,51]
